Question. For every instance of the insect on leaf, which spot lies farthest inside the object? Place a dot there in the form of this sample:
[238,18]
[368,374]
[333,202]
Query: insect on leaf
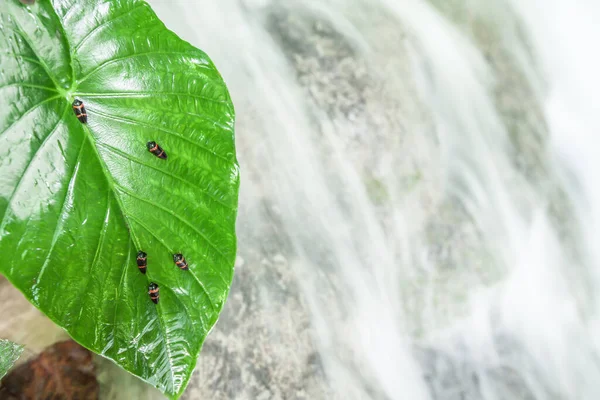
[80,198]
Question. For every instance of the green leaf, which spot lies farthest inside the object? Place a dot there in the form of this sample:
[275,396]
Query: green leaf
[9,354]
[78,201]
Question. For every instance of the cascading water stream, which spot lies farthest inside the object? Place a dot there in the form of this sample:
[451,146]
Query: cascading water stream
[424,171]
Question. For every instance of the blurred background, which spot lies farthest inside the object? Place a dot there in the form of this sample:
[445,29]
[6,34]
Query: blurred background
[419,203]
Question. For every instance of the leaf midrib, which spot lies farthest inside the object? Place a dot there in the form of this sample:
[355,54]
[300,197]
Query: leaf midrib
[133,238]
[62,28]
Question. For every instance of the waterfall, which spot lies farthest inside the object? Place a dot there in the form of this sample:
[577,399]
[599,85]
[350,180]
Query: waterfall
[418,202]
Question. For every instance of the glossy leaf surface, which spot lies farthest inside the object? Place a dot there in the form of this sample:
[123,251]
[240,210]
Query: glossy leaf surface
[77,201]
[9,354]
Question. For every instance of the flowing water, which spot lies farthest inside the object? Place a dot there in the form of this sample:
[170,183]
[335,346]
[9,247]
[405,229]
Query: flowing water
[419,199]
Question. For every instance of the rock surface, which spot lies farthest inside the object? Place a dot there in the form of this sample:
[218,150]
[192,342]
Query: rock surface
[65,370]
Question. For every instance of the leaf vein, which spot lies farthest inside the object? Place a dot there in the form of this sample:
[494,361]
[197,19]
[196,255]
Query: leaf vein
[214,121]
[166,246]
[61,216]
[128,258]
[136,122]
[27,113]
[167,347]
[183,180]
[68,44]
[152,203]
[188,312]
[24,57]
[118,59]
[28,85]
[32,48]
[103,24]
[148,94]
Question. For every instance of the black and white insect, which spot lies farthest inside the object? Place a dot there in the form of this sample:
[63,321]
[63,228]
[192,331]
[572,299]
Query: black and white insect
[153,292]
[179,260]
[142,261]
[155,149]
[79,110]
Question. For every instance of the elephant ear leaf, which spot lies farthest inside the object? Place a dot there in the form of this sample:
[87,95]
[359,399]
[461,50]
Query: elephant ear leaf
[78,201]
[9,354]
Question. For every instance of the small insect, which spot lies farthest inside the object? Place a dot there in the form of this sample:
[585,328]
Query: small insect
[79,111]
[142,261]
[155,149]
[153,292]
[180,261]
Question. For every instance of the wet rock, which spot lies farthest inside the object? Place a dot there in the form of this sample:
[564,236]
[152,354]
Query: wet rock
[452,376]
[63,371]
[262,345]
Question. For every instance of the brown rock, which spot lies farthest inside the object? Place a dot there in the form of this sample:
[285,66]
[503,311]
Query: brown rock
[63,371]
